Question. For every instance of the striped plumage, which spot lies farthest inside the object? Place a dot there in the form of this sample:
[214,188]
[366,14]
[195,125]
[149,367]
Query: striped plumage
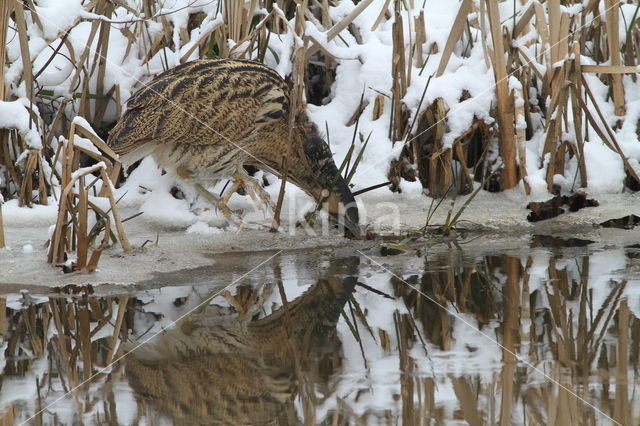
[226,370]
[205,119]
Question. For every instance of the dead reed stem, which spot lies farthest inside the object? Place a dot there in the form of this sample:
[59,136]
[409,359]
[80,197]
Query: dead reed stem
[520,135]
[465,394]
[399,73]
[613,40]
[4,17]
[71,230]
[577,115]
[4,20]
[456,33]
[505,101]
[24,47]
[122,309]
[296,103]
[609,137]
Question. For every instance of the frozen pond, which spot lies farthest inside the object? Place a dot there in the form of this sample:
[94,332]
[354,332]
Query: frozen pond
[542,330]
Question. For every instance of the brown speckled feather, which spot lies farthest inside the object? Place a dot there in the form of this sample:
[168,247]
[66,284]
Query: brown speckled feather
[211,116]
[202,109]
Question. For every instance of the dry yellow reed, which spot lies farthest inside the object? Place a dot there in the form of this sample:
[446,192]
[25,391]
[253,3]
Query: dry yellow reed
[465,394]
[399,86]
[24,47]
[71,230]
[576,108]
[504,99]
[296,103]
[613,39]
[5,11]
[454,36]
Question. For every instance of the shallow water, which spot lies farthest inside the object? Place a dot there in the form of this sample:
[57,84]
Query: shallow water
[544,332]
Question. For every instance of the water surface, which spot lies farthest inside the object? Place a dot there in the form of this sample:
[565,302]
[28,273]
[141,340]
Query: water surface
[545,332]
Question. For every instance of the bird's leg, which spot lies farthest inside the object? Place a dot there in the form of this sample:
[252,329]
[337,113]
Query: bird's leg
[251,186]
[219,204]
[228,193]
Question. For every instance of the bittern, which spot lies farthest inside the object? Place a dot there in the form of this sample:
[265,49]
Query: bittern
[213,368]
[206,119]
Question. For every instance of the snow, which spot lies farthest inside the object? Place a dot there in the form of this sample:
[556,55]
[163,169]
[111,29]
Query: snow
[57,15]
[201,228]
[37,215]
[14,115]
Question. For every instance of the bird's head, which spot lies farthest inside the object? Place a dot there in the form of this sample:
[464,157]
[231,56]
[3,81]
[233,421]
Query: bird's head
[324,183]
[343,209]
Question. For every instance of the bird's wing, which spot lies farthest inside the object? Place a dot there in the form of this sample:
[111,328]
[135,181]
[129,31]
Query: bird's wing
[139,122]
[207,102]
[274,106]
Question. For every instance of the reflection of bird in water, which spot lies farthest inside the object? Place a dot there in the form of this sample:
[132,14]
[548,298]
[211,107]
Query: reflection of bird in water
[221,369]
[206,119]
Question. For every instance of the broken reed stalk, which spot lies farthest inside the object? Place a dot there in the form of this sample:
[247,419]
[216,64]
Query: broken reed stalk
[24,47]
[12,143]
[612,13]
[71,230]
[609,137]
[122,309]
[4,21]
[420,39]
[520,135]
[100,60]
[511,328]
[622,412]
[399,73]
[504,99]
[83,338]
[454,36]
[577,116]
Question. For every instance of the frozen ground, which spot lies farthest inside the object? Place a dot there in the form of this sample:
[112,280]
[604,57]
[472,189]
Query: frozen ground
[175,244]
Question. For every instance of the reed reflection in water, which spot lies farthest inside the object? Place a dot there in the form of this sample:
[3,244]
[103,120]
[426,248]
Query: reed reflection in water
[550,336]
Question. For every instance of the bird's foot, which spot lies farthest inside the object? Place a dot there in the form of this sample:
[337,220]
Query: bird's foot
[252,187]
[221,205]
[258,193]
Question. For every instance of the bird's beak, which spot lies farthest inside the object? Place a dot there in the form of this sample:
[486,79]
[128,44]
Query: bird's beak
[326,185]
[342,206]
